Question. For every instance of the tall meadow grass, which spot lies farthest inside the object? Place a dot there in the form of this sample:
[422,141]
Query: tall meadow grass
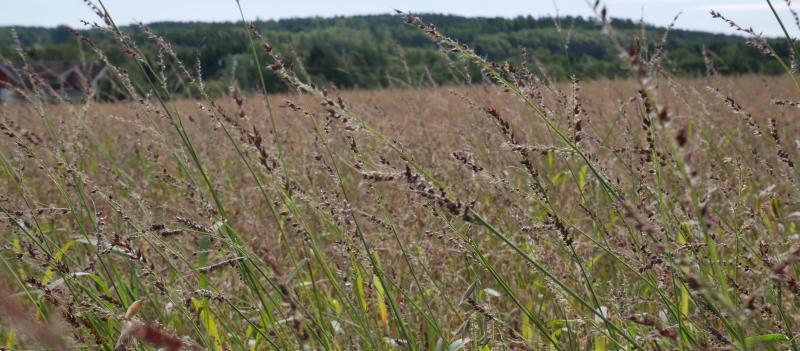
[652,212]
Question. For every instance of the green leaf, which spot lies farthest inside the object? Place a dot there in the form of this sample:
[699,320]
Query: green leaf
[383,311]
[559,178]
[48,274]
[457,345]
[599,343]
[765,339]
[777,211]
[582,177]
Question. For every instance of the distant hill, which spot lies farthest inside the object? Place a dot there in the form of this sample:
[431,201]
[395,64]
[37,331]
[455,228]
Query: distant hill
[381,50]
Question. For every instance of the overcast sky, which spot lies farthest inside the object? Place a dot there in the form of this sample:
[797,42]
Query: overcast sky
[695,15]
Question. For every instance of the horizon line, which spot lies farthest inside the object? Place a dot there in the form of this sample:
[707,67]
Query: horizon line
[376,14]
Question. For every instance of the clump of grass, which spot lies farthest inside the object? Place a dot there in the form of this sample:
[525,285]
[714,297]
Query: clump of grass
[523,214]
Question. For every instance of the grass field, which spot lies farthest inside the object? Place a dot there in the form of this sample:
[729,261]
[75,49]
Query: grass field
[644,213]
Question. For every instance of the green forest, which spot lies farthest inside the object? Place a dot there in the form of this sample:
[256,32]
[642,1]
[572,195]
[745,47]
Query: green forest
[382,51]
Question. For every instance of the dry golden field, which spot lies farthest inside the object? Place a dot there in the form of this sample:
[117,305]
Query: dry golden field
[337,240]
[651,213]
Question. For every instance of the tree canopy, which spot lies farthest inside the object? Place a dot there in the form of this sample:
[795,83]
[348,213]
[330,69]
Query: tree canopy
[381,51]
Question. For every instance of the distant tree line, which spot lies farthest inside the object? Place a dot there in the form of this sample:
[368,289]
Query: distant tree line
[382,51]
